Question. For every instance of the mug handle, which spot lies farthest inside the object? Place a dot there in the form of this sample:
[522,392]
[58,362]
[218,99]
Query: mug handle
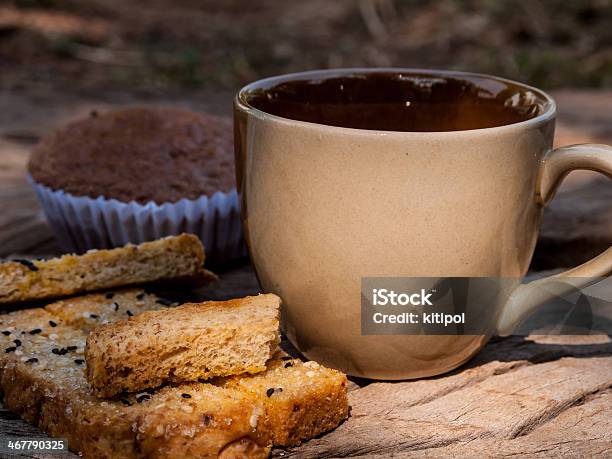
[555,165]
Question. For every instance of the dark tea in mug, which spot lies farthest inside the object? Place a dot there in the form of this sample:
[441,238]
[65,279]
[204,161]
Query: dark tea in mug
[392,101]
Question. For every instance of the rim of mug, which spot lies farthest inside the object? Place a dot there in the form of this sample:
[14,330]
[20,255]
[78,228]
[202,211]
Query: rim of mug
[240,100]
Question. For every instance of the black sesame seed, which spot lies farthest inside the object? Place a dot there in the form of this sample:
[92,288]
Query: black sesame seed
[10,349]
[36,331]
[150,391]
[79,361]
[140,296]
[207,419]
[32,360]
[269,392]
[116,306]
[129,313]
[286,358]
[27,263]
[53,324]
[71,348]
[17,342]
[63,351]
[142,398]
[164,302]
[126,402]
[185,395]
[288,364]
[6,332]
[55,351]
[94,316]
[279,389]
[109,296]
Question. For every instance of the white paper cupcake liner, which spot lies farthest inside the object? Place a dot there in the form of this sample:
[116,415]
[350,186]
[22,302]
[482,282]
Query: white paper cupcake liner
[81,223]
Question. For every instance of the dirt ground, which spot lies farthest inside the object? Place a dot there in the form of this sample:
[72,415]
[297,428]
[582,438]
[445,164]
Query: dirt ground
[164,45]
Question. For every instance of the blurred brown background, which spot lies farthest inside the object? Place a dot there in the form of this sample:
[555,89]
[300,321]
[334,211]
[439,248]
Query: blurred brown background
[60,59]
[161,45]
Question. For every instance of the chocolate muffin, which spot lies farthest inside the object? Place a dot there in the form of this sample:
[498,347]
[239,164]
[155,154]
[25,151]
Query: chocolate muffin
[139,174]
[138,154]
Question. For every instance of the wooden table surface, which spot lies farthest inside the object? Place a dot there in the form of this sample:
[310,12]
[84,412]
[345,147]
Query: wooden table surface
[535,395]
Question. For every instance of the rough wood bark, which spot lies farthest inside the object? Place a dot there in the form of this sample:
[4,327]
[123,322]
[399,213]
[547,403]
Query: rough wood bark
[518,396]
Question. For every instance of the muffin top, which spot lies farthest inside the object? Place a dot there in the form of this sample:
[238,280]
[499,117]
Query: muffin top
[138,154]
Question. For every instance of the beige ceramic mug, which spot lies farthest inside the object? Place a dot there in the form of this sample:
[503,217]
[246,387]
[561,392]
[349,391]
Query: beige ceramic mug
[396,172]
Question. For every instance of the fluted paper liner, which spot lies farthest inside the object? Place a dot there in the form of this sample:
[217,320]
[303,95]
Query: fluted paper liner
[81,223]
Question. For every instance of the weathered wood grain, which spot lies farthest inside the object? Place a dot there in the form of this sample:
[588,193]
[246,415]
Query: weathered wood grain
[556,438]
[492,407]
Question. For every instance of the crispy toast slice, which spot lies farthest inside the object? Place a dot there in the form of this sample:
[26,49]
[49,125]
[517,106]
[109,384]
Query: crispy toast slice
[90,311]
[172,422]
[43,381]
[301,399]
[192,342]
[174,258]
